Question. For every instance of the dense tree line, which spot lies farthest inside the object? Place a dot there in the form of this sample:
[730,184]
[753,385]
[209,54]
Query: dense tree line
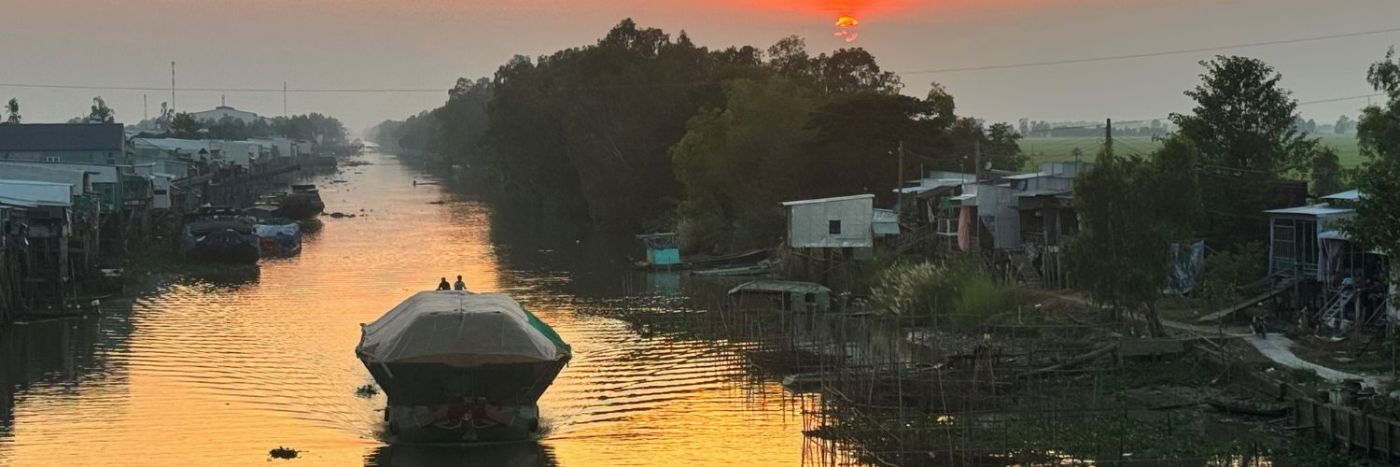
[642,130]
[322,129]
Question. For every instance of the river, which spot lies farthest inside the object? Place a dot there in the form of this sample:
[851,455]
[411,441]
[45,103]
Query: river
[201,372]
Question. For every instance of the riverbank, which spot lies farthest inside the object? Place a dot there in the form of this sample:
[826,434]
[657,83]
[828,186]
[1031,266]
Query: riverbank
[1045,380]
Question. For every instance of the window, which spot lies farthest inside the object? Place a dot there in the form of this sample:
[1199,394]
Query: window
[833,227]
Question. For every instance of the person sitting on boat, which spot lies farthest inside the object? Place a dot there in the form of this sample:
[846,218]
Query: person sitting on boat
[444,285]
[459,285]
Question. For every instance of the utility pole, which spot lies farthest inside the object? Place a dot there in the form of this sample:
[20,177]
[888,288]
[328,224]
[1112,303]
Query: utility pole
[172,84]
[899,185]
[1108,138]
[284,99]
[977,159]
[145,108]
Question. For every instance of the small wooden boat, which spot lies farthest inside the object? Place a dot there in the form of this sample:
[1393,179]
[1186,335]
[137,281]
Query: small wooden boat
[757,269]
[1246,407]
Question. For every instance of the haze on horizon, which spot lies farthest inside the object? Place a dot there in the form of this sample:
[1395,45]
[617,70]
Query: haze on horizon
[428,44]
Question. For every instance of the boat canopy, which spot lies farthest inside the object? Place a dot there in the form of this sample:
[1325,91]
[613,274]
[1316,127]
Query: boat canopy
[459,328]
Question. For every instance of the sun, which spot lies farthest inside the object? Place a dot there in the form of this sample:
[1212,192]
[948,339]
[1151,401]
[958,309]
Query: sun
[846,28]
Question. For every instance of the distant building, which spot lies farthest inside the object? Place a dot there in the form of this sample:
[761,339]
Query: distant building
[221,112]
[81,143]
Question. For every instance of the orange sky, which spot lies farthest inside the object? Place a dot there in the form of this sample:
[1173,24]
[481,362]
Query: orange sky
[429,43]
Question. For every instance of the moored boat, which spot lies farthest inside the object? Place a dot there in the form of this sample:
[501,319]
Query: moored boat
[267,206]
[219,235]
[304,202]
[461,367]
[278,237]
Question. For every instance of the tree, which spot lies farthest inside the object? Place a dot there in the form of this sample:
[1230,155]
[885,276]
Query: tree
[1326,172]
[100,112]
[1244,127]
[1002,149]
[1121,263]
[184,125]
[12,108]
[1377,221]
[738,163]
[1344,125]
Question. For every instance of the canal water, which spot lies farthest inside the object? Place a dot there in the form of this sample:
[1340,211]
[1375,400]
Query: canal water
[218,372]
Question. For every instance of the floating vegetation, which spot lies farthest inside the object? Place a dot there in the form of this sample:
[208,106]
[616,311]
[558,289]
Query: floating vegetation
[367,391]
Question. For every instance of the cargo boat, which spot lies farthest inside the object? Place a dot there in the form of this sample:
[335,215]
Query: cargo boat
[219,235]
[278,237]
[304,202]
[461,367]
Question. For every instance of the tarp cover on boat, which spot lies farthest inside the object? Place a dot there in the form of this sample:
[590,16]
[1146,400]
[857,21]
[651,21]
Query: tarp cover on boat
[461,329]
[274,230]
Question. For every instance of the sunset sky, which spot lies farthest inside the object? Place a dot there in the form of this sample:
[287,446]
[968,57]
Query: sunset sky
[427,44]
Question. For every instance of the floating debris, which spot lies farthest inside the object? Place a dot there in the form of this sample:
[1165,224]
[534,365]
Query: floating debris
[366,391]
[281,452]
[338,215]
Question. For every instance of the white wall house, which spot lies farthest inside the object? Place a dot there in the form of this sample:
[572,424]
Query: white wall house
[241,153]
[842,222]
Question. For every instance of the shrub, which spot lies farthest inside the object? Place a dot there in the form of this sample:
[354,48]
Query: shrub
[954,293]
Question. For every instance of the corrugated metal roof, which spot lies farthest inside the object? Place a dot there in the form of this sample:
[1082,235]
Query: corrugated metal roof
[62,137]
[1023,176]
[827,200]
[29,193]
[186,145]
[1035,193]
[1349,195]
[766,285]
[1314,210]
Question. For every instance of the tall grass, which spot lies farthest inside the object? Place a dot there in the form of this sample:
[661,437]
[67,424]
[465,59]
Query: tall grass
[954,293]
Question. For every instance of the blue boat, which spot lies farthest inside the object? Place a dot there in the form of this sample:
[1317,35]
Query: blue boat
[278,237]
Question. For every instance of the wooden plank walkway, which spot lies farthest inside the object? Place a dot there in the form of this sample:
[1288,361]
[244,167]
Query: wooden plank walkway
[1222,314]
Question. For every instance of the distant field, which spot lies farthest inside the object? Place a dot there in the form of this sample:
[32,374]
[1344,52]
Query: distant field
[1062,149]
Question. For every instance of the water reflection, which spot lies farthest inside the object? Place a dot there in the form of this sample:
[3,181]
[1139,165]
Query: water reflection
[527,454]
[218,370]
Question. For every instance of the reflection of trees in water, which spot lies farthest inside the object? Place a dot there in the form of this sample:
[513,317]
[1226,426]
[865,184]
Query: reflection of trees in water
[522,454]
[59,353]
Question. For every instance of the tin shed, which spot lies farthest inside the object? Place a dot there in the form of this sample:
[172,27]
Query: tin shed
[842,222]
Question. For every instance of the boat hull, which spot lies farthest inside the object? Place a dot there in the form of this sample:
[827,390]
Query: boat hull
[438,403]
[302,206]
[222,247]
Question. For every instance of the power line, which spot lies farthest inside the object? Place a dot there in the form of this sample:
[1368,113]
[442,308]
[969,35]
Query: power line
[1340,99]
[248,90]
[1107,58]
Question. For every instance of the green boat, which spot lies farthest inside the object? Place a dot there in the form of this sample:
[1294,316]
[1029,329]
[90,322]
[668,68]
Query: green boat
[461,367]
